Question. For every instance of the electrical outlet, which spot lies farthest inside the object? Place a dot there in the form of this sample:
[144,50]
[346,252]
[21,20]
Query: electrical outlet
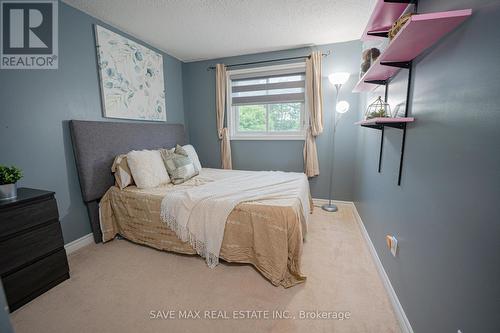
[394,246]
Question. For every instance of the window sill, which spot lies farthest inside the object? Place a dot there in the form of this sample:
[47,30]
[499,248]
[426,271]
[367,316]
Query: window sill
[268,137]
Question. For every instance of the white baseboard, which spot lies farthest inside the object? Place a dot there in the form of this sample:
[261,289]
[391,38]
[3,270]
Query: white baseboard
[398,308]
[79,243]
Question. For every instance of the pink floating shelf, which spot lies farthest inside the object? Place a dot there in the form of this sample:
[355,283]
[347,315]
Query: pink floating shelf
[417,35]
[382,121]
[383,16]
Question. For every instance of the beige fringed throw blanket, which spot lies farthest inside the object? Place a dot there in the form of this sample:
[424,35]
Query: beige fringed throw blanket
[198,215]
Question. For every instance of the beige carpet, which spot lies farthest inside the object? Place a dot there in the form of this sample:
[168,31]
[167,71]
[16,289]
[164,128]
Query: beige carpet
[113,288]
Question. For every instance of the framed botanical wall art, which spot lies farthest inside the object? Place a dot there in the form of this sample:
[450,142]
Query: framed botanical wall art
[131,75]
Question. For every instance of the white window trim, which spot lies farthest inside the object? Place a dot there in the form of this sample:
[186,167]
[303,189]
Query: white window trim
[231,118]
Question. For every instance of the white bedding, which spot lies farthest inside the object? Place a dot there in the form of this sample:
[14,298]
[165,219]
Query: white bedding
[198,214]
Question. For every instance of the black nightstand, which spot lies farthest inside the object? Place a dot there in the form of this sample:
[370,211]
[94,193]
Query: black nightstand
[32,255]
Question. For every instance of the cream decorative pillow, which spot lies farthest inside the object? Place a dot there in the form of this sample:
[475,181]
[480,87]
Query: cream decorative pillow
[178,164]
[193,156]
[121,170]
[147,168]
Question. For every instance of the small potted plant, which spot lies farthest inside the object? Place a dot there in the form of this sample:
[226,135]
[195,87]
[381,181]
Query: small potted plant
[8,179]
[378,109]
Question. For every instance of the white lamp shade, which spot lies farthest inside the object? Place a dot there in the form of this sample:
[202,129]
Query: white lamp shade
[342,107]
[339,78]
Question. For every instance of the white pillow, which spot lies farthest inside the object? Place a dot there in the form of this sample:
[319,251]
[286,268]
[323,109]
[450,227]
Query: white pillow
[147,168]
[193,157]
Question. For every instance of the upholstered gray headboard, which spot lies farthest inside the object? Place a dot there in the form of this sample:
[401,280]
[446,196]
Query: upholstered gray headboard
[96,143]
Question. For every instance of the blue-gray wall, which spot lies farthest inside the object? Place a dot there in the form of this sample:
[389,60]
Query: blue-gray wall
[199,104]
[35,106]
[445,213]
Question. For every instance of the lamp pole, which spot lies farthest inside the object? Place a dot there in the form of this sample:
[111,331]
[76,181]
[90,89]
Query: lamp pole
[330,207]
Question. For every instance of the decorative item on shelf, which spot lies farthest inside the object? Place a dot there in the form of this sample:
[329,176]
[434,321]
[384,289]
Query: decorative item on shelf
[8,179]
[378,109]
[399,110]
[398,25]
[369,57]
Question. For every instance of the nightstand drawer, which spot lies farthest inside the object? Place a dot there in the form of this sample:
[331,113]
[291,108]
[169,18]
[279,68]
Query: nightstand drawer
[15,219]
[26,284]
[26,247]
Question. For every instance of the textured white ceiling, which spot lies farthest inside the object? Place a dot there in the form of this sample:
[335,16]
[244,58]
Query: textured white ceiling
[193,30]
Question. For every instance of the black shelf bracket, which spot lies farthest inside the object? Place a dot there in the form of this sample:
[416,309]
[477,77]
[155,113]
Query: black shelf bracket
[398,64]
[402,1]
[397,125]
[386,96]
[401,125]
[379,82]
[403,140]
[381,150]
[378,33]
[375,126]
[380,126]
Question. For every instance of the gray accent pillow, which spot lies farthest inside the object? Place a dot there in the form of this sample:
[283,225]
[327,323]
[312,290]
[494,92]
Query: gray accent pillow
[178,164]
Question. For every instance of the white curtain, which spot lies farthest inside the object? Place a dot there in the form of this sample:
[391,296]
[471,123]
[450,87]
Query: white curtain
[222,132]
[314,100]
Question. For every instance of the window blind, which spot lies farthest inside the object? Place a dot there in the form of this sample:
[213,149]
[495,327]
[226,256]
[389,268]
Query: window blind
[268,88]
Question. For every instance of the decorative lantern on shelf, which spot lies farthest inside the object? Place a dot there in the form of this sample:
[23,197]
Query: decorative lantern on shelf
[378,109]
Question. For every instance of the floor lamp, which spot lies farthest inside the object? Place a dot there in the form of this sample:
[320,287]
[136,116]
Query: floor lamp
[341,107]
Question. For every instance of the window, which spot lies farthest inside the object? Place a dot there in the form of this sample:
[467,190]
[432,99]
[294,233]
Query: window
[267,103]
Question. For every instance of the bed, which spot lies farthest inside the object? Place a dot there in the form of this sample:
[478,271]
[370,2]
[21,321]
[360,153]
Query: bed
[266,233]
